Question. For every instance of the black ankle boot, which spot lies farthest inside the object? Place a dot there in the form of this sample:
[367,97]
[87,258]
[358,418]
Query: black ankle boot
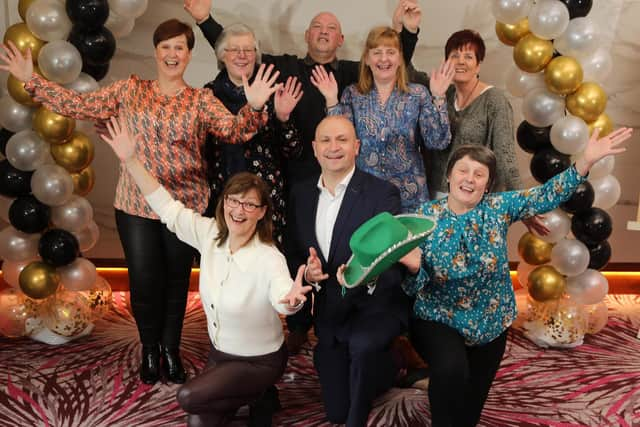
[172,365]
[261,411]
[150,364]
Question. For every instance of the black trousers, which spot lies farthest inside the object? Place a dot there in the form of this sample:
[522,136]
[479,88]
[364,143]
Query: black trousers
[227,383]
[460,375]
[159,268]
[353,371]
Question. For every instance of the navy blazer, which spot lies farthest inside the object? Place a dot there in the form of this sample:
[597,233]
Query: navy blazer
[366,196]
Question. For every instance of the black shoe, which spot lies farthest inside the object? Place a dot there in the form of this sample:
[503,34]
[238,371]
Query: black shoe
[172,367]
[261,411]
[412,377]
[150,364]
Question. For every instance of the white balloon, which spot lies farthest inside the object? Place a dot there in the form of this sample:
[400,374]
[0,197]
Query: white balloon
[602,167]
[606,190]
[558,223]
[596,66]
[17,246]
[128,8]
[509,11]
[83,84]
[14,116]
[60,61]
[570,257]
[48,20]
[569,135]
[548,19]
[519,82]
[79,275]
[589,287]
[74,215]
[119,25]
[580,38]
[52,185]
[27,151]
[542,108]
[88,236]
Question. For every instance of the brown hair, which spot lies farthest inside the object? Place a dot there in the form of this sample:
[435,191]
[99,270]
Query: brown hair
[462,38]
[240,183]
[381,36]
[480,154]
[173,28]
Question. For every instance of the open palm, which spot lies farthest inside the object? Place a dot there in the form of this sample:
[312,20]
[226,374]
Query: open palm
[19,65]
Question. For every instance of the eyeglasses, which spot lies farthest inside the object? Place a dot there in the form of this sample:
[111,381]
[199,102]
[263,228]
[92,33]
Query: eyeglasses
[246,206]
[236,51]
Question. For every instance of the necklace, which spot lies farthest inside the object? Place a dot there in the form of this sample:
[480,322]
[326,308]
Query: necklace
[465,100]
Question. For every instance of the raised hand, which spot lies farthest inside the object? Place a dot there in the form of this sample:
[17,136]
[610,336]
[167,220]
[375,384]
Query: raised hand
[13,61]
[326,84]
[198,9]
[411,15]
[286,98]
[597,148]
[441,78]
[118,138]
[296,294]
[536,224]
[340,274]
[314,272]
[263,86]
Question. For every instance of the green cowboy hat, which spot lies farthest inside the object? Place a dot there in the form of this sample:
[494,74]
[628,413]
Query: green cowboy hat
[381,241]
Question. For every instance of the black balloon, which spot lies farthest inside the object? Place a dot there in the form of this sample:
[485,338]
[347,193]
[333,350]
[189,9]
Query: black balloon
[96,46]
[599,254]
[58,247]
[29,214]
[547,163]
[96,71]
[578,8]
[87,13]
[14,182]
[4,138]
[591,226]
[531,138]
[581,200]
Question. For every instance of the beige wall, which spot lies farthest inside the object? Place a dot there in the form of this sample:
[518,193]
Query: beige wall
[280,26]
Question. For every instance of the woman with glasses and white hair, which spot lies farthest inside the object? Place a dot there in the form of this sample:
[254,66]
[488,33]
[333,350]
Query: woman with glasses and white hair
[238,54]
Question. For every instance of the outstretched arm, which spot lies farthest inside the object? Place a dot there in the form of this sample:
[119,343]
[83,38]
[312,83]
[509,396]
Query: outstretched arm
[200,11]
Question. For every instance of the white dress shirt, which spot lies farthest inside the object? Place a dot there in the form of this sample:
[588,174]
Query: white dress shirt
[240,291]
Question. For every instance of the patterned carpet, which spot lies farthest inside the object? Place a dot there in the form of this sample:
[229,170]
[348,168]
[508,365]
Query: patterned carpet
[93,381]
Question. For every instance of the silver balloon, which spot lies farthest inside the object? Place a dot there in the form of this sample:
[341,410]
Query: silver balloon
[602,167]
[548,19]
[580,38]
[83,84]
[60,61]
[88,236]
[508,11]
[16,245]
[589,287]
[519,82]
[596,66]
[569,135]
[14,116]
[80,275]
[128,8]
[52,185]
[542,108]
[27,151]
[570,257]
[73,215]
[558,223]
[119,25]
[606,191]
[48,20]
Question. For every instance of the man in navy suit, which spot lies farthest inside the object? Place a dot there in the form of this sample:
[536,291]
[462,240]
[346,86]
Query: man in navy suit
[354,328]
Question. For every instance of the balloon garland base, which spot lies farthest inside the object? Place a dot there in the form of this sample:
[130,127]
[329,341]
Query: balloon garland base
[47,336]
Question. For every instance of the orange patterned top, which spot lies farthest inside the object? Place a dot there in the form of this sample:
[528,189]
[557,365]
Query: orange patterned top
[173,130]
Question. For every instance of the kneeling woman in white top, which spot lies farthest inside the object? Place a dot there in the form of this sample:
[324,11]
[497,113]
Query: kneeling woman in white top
[244,284]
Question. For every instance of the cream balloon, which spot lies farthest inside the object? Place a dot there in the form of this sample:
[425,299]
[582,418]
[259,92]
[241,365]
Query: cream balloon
[27,151]
[83,84]
[60,61]
[590,287]
[48,20]
[80,275]
[596,65]
[558,223]
[11,271]
[74,215]
[507,11]
[14,116]
[606,191]
[16,245]
[570,257]
[542,108]
[5,204]
[569,135]
[519,82]
[580,38]
[548,19]
[88,236]
[602,168]
[128,8]
[52,185]
[119,26]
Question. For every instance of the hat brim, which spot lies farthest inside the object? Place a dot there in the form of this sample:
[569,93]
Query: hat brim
[420,227]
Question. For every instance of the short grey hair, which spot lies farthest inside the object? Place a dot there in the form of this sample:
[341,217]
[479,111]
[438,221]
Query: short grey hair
[237,29]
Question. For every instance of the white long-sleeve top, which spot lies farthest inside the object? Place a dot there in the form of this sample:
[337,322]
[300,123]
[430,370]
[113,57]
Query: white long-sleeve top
[240,291]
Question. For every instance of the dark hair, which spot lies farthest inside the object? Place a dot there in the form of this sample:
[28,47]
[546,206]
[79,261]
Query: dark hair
[240,183]
[173,28]
[381,36]
[480,154]
[462,38]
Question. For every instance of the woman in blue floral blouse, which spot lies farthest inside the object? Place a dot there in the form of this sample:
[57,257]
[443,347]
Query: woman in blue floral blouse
[464,296]
[390,115]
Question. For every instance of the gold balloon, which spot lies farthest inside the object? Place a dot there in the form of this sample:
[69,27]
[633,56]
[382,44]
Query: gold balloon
[534,250]
[603,122]
[23,6]
[16,89]
[588,102]
[510,34]
[52,127]
[545,283]
[24,39]
[532,54]
[563,75]
[83,181]
[75,154]
[39,280]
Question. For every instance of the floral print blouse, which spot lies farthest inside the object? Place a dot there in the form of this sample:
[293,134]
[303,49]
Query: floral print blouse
[464,280]
[389,136]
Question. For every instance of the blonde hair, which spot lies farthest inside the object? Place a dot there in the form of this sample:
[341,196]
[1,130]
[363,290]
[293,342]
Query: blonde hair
[381,36]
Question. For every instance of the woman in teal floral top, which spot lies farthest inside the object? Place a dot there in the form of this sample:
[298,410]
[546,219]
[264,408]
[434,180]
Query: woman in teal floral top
[464,296]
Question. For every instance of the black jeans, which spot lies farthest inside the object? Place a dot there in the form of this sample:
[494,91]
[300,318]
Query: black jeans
[159,268]
[460,375]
